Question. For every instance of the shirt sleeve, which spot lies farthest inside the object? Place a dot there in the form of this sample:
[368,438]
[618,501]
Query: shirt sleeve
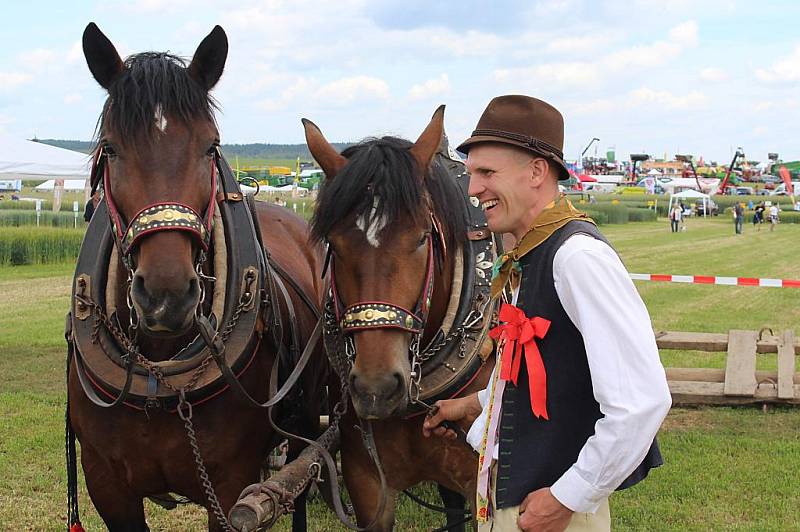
[628,380]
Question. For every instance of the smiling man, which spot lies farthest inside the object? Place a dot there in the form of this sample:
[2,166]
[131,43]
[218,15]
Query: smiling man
[571,415]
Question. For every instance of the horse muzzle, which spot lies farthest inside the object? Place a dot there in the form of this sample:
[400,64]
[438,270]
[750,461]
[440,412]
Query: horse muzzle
[378,397]
[165,312]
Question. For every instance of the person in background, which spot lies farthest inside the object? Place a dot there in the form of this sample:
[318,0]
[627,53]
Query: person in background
[675,216]
[91,206]
[773,216]
[758,215]
[738,217]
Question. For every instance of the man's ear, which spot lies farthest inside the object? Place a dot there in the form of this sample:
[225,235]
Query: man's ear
[539,169]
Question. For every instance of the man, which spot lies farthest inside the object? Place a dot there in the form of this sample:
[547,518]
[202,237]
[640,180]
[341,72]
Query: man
[773,216]
[573,414]
[738,217]
[91,206]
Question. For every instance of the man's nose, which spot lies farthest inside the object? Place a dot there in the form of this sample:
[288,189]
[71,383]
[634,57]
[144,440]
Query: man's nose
[475,187]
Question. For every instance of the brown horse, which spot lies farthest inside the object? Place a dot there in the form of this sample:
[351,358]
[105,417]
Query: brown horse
[394,225]
[163,177]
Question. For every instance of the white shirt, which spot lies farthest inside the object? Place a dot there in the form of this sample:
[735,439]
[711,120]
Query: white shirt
[628,380]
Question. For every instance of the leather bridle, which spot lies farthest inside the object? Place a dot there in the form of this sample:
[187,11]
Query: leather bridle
[156,217]
[377,314]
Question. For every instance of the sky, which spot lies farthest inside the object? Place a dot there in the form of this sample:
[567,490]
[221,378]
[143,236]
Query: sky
[644,76]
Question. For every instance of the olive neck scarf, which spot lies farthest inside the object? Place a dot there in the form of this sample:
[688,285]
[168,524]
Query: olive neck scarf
[555,216]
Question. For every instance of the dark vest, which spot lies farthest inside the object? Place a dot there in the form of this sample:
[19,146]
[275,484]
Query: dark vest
[534,452]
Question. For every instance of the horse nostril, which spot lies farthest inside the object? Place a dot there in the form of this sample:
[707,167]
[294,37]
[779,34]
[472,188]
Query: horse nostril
[194,288]
[137,287]
[400,381]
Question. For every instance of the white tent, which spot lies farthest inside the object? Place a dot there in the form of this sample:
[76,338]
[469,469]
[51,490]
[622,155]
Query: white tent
[28,158]
[690,194]
[69,184]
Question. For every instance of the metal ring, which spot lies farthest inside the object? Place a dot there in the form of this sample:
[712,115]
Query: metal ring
[247,179]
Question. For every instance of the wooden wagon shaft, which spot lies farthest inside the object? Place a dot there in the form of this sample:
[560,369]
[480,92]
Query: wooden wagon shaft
[698,341]
[260,505]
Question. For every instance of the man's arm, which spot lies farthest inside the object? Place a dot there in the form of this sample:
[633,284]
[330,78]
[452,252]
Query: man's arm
[628,380]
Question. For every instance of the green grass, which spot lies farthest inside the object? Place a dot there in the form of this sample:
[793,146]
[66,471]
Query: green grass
[726,468]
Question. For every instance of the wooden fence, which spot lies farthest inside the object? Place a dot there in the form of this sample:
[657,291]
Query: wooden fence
[740,382]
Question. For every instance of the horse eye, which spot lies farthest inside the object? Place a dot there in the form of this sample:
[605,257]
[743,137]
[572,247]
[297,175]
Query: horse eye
[212,150]
[424,238]
[109,150]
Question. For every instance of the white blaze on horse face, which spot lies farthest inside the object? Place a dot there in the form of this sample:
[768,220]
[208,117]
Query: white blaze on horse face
[160,119]
[376,224]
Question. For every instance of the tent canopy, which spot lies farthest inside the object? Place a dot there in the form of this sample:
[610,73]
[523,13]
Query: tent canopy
[69,184]
[25,157]
[690,194]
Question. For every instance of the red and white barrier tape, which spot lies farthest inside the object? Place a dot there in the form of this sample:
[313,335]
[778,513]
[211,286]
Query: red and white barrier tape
[710,279]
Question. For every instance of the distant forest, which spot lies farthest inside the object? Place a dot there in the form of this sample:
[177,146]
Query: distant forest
[248,151]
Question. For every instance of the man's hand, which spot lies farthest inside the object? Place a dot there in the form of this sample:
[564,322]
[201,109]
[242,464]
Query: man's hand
[463,411]
[542,512]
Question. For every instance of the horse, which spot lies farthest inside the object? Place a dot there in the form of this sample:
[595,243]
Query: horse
[400,254]
[182,307]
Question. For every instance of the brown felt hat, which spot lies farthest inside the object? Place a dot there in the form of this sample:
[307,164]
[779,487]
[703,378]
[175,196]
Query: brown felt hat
[524,122]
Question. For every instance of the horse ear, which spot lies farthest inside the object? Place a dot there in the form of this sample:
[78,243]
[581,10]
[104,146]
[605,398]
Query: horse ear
[326,155]
[428,142]
[209,59]
[101,56]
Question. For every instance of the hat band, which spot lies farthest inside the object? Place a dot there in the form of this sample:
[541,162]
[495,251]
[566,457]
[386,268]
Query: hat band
[530,142]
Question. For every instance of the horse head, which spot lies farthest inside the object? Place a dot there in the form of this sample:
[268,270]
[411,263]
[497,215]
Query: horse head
[158,141]
[379,211]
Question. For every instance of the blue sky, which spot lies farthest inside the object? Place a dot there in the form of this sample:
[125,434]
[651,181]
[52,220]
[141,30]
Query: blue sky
[650,76]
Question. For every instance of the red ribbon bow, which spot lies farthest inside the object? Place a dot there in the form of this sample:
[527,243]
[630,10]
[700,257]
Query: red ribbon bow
[519,334]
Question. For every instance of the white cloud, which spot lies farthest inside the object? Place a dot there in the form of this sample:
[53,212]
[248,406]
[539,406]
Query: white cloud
[648,96]
[71,99]
[75,53]
[713,74]
[763,106]
[12,80]
[579,73]
[430,88]
[585,43]
[684,34]
[336,93]
[760,131]
[598,106]
[782,70]
[574,73]
[346,90]
[39,59]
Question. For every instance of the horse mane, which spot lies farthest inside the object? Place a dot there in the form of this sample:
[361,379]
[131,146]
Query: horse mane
[384,168]
[151,79]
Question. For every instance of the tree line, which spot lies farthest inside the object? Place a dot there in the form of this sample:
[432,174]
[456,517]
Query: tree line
[249,151]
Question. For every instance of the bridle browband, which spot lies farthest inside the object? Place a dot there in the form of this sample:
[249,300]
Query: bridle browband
[156,217]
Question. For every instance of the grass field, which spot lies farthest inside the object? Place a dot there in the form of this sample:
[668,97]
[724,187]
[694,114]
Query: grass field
[726,468]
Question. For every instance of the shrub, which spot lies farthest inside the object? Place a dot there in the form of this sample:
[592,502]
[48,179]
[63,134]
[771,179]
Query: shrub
[641,215]
[19,218]
[616,214]
[790,217]
[40,245]
[600,218]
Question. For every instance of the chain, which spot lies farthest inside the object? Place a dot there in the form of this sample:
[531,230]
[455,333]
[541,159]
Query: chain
[414,387]
[185,413]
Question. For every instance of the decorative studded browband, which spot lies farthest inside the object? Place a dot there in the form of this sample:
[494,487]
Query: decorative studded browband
[366,315]
[161,216]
